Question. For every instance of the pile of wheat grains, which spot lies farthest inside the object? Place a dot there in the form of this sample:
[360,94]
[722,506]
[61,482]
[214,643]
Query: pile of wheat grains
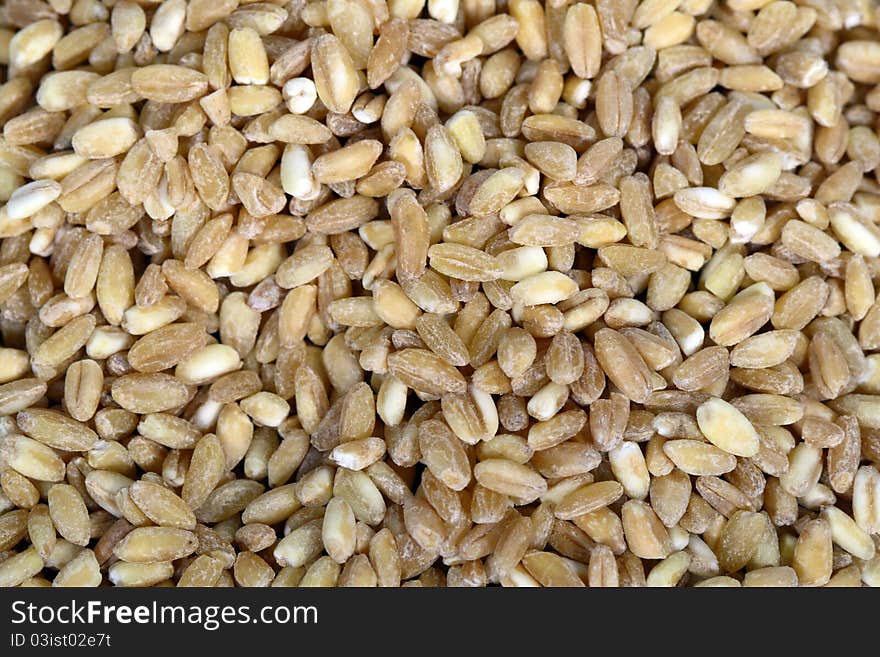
[456,292]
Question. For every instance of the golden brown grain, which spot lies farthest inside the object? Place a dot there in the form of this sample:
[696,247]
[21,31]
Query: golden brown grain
[542,293]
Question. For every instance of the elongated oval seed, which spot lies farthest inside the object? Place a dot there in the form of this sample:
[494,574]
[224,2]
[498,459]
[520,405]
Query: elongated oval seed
[56,430]
[463,262]
[65,342]
[510,478]
[726,427]
[588,498]
[154,544]
[21,394]
[236,232]
[20,567]
[206,468]
[335,76]
[161,505]
[425,372]
[698,458]
[623,364]
[123,573]
[812,559]
[338,530]
[167,83]
[83,387]
[165,347]
[551,570]
[582,40]
[105,138]
[739,540]
[149,393]
[547,287]
[32,197]
[645,534]
[444,454]
[33,459]
[848,535]
[69,514]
